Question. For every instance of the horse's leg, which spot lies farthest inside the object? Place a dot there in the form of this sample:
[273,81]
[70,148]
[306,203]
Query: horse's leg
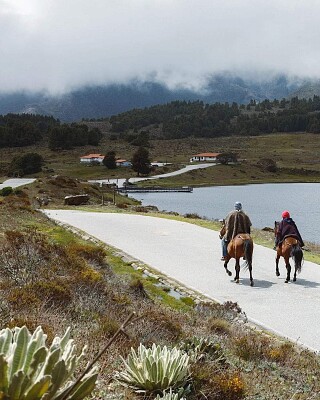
[250,271]
[277,265]
[226,266]
[288,266]
[237,268]
[297,257]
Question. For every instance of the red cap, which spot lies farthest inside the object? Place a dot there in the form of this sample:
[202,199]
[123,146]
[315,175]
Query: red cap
[285,214]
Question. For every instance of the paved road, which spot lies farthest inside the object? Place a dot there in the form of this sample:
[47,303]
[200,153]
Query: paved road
[188,168]
[16,182]
[191,255]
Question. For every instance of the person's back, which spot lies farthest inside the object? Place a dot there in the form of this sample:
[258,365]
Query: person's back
[287,227]
[236,222]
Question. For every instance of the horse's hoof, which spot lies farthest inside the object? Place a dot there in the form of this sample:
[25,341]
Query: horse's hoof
[286,281]
[294,279]
[251,283]
[278,273]
[229,273]
[237,280]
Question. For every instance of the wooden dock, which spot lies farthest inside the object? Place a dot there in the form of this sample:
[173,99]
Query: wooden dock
[151,189]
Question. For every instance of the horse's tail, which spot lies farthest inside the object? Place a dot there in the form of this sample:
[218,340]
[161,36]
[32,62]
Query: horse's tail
[297,256]
[248,250]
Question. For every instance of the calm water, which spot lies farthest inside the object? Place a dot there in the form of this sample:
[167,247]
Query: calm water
[263,203]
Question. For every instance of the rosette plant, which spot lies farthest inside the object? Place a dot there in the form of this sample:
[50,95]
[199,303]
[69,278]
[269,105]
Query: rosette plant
[29,370]
[155,369]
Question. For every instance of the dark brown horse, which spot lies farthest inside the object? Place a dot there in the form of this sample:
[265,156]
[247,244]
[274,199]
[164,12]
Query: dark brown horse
[240,246]
[289,247]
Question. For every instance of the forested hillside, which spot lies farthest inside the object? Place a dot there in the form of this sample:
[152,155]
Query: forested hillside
[18,130]
[180,119]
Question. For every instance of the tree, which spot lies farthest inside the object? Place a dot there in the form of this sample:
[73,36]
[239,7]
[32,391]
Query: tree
[140,161]
[94,136]
[226,158]
[29,163]
[267,164]
[110,160]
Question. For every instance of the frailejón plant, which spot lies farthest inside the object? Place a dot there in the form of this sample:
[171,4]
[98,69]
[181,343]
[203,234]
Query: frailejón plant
[29,370]
[155,369]
[170,396]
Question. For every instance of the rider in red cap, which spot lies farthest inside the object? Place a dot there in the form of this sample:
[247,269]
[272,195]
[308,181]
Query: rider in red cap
[285,214]
[287,227]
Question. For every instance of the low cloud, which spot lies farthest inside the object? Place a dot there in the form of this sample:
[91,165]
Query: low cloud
[59,45]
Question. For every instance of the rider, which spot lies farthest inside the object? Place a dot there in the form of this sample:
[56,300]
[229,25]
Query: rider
[236,221]
[287,227]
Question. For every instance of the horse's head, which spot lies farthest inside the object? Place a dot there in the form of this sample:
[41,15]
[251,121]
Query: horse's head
[223,228]
[276,227]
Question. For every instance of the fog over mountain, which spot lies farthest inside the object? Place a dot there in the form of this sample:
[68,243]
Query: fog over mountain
[106,100]
[56,55]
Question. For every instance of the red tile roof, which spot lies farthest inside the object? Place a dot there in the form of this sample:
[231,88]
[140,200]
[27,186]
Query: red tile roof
[206,155]
[93,156]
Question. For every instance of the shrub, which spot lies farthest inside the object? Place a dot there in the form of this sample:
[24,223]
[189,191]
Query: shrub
[229,386]
[31,370]
[88,252]
[198,348]
[218,325]
[138,288]
[192,216]
[188,301]
[24,256]
[281,353]
[6,191]
[107,326]
[251,347]
[28,163]
[54,292]
[155,369]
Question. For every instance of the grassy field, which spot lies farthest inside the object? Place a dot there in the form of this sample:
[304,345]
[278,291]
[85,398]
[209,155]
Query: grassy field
[297,157]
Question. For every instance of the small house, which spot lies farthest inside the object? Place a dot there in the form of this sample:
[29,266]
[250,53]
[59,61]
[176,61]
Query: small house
[204,157]
[92,159]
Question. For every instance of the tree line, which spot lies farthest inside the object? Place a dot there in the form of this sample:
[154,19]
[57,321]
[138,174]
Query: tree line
[18,130]
[181,119]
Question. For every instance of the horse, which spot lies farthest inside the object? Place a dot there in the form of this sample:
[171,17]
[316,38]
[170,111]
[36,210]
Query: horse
[240,246]
[290,247]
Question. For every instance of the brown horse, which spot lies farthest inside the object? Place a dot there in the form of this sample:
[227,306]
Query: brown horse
[290,247]
[240,246]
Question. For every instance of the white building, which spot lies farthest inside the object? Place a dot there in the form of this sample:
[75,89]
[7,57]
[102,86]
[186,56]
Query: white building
[204,157]
[92,158]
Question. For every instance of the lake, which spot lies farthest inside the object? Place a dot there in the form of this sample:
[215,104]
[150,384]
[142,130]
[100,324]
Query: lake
[263,203]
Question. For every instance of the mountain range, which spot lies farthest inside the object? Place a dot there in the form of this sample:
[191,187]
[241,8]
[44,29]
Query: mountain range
[94,102]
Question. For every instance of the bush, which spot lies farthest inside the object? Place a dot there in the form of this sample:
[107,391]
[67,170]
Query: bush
[230,386]
[6,191]
[29,163]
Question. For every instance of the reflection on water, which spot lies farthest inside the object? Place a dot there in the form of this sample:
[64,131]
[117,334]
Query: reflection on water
[264,203]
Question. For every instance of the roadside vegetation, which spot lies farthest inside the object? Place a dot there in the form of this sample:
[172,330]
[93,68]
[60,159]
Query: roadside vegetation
[53,278]
[178,344]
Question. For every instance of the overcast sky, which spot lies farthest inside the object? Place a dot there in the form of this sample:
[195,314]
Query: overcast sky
[62,44]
